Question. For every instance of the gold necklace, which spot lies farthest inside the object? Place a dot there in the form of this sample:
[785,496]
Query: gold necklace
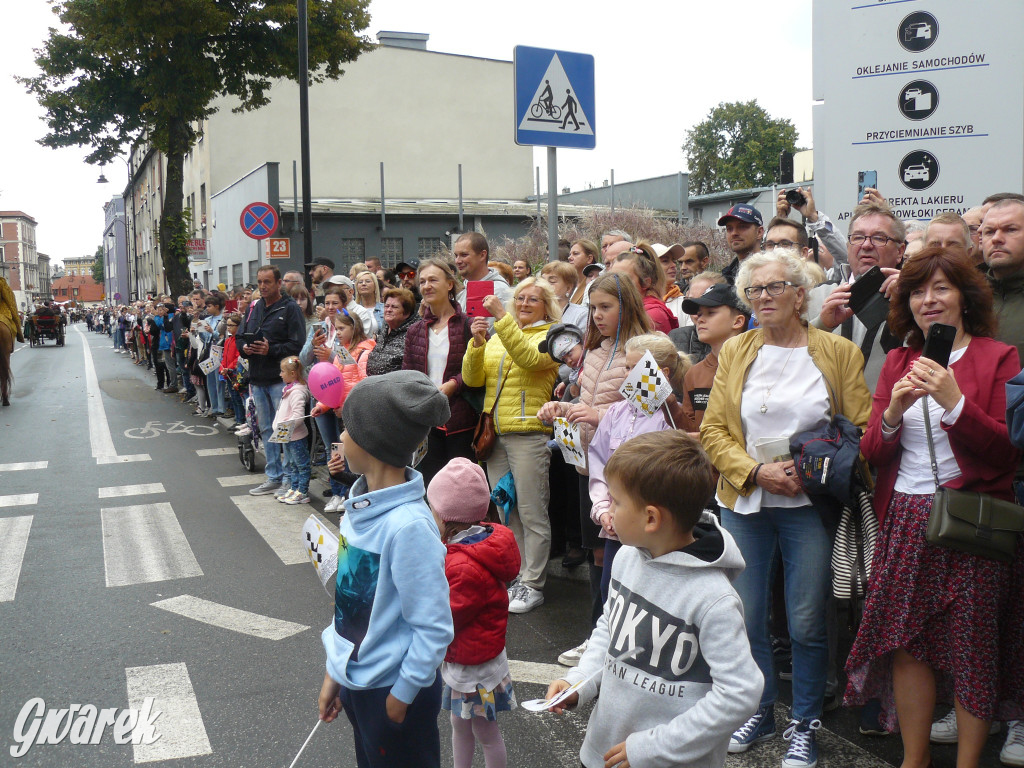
[768,390]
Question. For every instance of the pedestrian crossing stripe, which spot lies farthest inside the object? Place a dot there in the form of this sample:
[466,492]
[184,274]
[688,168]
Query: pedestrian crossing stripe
[555,106]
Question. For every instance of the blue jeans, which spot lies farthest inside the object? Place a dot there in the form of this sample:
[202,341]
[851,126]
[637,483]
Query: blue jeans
[330,431]
[806,551]
[267,399]
[237,404]
[215,393]
[296,456]
[186,379]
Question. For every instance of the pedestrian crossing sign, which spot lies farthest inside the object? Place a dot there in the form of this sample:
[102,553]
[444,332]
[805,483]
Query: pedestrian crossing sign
[554,93]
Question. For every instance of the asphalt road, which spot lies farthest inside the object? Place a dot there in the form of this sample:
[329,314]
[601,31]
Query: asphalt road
[138,566]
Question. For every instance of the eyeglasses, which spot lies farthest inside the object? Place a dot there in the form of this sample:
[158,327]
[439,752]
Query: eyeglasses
[771,245]
[531,300]
[774,289]
[879,241]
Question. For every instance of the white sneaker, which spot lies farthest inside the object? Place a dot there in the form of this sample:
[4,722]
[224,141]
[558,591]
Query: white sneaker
[334,504]
[571,658]
[525,599]
[944,731]
[282,492]
[296,497]
[1013,750]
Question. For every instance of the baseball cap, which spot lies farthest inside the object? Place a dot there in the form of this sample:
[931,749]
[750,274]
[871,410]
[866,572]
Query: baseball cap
[675,251]
[321,262]
[339,280]
[591,269]
[743,212]
[413,264]
[718,295]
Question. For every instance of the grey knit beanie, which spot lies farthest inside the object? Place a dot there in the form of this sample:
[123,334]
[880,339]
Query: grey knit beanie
[390,415]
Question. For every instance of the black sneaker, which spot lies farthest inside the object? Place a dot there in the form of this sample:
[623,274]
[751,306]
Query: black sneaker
[871,719]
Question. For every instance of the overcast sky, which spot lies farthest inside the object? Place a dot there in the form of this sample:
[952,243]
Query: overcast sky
[661,65]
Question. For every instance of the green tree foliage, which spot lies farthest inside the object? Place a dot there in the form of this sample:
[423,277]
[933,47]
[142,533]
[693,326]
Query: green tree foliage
[125,71]
[97,265]
[736,147]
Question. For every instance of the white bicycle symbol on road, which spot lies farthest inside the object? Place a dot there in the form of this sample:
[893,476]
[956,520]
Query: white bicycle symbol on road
[156,428]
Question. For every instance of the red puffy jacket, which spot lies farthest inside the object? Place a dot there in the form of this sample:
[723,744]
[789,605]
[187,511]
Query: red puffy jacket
[477,573]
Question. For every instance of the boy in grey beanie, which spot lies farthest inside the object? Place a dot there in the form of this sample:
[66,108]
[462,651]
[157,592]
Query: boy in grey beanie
[392,617]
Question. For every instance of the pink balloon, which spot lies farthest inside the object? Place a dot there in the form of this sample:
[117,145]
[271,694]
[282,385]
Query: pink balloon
[326,384]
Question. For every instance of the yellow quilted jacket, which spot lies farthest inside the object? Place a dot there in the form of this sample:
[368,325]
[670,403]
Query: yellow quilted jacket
[531,375]
[721,433]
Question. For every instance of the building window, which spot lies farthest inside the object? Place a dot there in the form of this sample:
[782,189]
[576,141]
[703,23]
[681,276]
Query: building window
[253,266]
[222,275]
[236,275]
[427,246]
[352,249]
[698,215]
[390,251]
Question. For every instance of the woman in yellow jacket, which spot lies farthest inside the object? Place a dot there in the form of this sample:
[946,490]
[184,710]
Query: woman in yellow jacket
[772,383]
[10,328]
[519,377]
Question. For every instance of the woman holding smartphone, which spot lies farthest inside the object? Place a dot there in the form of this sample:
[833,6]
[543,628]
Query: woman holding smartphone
[936,622]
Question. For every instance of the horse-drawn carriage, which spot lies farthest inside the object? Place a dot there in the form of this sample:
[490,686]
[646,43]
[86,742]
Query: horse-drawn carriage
[43,327]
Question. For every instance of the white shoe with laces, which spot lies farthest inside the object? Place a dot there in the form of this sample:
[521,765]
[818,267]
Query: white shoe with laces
[1013,750]
[571,658]
[944,731]
[525,599]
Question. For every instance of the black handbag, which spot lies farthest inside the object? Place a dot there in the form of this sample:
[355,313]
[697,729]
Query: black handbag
[968,521]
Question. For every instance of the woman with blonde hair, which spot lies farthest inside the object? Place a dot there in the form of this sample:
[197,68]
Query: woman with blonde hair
[518,378]
[562,276]
[368,296]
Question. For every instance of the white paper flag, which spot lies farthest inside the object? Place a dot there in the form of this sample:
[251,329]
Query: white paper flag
[568,438]
[284,431]
[421,452]
[343,354]
[322,547]
[646,387]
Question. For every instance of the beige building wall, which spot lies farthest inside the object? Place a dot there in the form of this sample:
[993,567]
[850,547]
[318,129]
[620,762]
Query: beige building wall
[420,112]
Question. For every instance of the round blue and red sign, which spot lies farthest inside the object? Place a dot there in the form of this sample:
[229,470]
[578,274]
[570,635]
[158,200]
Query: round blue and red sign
[258,220]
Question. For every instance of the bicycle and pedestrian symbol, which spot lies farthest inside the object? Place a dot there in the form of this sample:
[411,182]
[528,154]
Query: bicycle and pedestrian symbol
[157,428]
[554,98]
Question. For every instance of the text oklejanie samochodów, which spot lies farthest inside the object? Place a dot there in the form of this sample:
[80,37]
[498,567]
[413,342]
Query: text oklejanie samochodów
[82,724]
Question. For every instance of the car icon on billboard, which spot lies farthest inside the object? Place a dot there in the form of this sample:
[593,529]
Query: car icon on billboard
[918,172]
[919,30]
[912,93]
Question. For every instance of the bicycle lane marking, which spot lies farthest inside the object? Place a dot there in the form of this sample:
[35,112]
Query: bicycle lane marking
[153,429]
[100,439]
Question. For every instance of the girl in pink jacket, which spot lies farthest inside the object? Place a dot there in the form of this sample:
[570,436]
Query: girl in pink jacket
[294,400]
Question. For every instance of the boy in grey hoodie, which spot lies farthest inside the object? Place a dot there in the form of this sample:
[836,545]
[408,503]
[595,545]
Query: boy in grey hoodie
[691,680]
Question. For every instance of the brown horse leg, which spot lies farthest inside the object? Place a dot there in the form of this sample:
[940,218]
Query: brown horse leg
[6,379]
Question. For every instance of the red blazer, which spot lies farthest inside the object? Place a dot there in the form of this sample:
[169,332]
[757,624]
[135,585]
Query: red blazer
[477,573]
[979,438]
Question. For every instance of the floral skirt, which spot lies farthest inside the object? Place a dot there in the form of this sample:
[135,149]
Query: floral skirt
[480,703]
[958,613]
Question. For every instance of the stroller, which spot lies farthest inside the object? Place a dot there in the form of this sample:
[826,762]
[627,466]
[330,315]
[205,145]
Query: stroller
[249,444]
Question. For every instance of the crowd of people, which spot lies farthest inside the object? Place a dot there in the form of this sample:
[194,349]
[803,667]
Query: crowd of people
[465,364]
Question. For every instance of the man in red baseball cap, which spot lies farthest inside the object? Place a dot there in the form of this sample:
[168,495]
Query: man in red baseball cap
[744,230]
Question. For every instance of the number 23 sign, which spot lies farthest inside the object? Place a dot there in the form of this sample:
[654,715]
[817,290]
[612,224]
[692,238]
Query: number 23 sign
[278,248]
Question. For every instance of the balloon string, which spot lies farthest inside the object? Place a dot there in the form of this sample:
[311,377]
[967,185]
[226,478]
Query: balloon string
[305,743]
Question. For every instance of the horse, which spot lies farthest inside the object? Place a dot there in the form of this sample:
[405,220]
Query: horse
[8,330]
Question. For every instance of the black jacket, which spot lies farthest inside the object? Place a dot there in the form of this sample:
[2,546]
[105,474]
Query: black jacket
[284,328]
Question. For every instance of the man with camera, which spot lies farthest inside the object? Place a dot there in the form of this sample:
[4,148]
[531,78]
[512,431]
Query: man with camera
[273,330]
[818,226]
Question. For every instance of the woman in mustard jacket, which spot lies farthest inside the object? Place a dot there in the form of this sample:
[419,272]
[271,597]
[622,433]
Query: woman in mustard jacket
[779,380]
[519,377]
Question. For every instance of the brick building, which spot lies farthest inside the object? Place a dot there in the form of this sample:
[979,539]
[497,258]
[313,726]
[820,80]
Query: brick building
[80,288]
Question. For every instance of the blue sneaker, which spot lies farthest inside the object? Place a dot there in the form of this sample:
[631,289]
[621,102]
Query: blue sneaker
[760,727]
[803,746]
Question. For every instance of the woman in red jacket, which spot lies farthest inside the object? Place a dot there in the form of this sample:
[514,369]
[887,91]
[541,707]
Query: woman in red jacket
[935,621]
[435,345]
[481,558]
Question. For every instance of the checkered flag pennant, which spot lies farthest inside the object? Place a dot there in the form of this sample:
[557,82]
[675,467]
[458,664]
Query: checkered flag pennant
[646,388]
[569,441]
[321,546]
[283,431]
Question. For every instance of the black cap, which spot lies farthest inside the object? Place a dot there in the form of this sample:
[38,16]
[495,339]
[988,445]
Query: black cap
[413,264]
[718,295]
[321,262]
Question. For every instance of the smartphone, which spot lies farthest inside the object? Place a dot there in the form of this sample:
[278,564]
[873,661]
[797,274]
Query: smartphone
[865,179]
[938,345]
[870,306]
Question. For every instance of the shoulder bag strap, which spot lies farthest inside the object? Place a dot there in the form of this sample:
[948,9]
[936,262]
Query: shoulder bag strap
[501,386]
[931,446]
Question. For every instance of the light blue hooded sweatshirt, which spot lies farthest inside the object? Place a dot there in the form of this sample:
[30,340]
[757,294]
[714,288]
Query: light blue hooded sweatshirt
[392,615]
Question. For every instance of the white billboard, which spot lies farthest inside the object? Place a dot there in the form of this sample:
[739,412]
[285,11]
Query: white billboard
[928,93]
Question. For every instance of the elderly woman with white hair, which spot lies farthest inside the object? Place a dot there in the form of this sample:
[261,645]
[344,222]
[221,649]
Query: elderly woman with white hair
[774,382]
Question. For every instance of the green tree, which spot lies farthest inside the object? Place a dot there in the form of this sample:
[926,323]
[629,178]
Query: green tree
[124,71]
[97,265]
[736,147]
